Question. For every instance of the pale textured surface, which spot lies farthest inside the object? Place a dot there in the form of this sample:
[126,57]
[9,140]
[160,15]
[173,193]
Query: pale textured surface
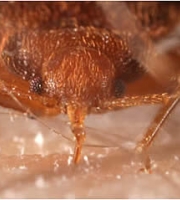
[36,163]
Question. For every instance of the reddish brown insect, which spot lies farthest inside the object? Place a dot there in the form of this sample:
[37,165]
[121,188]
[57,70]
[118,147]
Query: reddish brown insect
[64,58]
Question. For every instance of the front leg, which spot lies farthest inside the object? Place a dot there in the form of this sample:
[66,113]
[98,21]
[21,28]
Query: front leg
[169,102]
[159,120]
[129,101]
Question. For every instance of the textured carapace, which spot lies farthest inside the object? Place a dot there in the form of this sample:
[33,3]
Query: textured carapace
[46,15]
[157,19]
[83,65]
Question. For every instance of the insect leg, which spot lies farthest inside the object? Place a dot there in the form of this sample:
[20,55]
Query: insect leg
[129,101]
[156,124]
[169,103]
[77,115]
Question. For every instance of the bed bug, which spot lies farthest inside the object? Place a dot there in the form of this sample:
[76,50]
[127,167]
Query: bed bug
[62,58]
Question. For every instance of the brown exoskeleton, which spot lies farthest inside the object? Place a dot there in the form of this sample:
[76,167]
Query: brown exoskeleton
[75,65]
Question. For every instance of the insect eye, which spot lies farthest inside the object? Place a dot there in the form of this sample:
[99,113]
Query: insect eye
[119,88]
[36,85]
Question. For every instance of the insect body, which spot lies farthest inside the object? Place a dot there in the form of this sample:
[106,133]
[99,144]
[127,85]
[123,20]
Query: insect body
[74,69]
